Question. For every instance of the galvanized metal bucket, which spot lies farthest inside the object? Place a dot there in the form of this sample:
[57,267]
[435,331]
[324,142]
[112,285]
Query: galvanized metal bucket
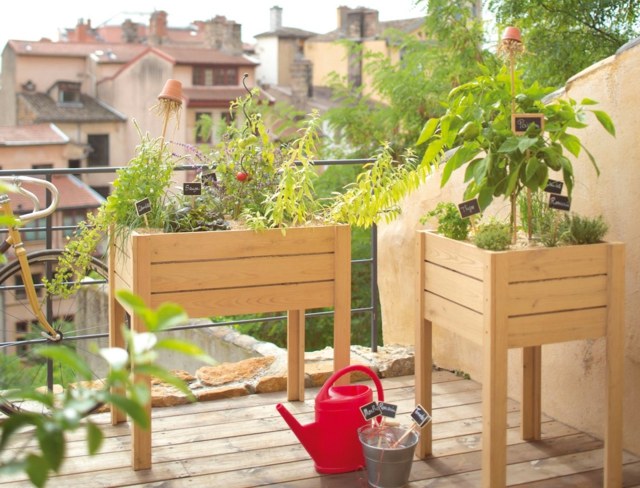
[388,461]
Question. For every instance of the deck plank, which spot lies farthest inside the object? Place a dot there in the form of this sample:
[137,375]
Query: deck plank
[243,442]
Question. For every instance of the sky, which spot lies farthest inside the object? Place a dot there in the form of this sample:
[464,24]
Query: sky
[34,19]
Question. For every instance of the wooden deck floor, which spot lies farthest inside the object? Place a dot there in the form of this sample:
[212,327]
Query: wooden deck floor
[243,442]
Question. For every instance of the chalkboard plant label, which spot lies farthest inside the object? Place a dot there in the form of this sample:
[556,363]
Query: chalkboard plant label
[192,189]
[420,416]
[554,186]
[469,208]
[388,409]
[560,202]
[143,207]
[370,410]
[521,122]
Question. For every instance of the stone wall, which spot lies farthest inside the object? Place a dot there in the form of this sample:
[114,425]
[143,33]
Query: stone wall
[573,377]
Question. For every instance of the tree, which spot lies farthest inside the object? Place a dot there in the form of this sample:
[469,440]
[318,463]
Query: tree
[411,89]
[563,37]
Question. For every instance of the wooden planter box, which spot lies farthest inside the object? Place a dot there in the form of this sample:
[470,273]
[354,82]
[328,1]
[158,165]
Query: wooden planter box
[238,272]
[521,298]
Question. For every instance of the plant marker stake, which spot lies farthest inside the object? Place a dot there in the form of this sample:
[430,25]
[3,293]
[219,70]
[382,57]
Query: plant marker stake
[420,418]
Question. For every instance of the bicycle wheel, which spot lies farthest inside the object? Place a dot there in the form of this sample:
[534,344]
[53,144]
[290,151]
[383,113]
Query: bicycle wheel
[81,319]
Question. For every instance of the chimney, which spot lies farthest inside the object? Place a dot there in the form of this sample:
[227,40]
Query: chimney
[129,32]
[158,27]
[224,35]
[301,79]
[82,32]
[342,17]
[276,18]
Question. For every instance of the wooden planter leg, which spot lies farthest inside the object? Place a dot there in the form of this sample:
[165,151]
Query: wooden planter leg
[141,438]
[614,371]
[424,388]
[494,379]
[116,339]
[295,355]
[531,386]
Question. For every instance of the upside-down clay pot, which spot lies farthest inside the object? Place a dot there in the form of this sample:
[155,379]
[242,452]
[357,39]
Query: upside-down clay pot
[512,34]
[172,91]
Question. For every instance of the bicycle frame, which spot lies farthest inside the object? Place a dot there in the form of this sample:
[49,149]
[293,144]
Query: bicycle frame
[14,240]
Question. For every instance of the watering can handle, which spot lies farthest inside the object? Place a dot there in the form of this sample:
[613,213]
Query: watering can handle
[354,367]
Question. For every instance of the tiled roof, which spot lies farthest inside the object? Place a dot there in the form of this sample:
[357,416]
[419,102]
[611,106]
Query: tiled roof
[124,53]
[31,135]
[89,110]
[73,194]
[405,25]
[194,55]
[288,32]
[109,52]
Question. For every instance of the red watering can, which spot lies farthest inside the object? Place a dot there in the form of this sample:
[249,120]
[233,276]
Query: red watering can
[332,440]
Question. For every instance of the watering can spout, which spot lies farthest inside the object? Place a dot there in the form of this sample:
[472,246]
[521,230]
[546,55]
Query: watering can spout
[305,433]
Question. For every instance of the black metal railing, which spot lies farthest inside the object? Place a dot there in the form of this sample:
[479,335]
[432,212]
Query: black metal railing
[372,308]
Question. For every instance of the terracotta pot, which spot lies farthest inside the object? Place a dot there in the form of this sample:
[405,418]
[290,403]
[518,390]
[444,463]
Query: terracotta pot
[172,91]
[512,34]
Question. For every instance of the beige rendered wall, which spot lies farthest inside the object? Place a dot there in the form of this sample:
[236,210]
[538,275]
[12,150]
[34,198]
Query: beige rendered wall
[326,58]
[573,376]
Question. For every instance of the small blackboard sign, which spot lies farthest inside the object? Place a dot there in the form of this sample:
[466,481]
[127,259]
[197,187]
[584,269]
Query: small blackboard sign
[143,207]
[521,122]
[388,409]
[559,202]
[370,410]
[469,208]
[554,186]
[420,416]
[193,188]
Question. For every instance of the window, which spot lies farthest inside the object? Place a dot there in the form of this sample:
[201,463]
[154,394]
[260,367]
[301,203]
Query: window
[71,218]
[99,154]
[34,230]
[20,290]
[68,93]
[215,75]
[42,166]
[204,127]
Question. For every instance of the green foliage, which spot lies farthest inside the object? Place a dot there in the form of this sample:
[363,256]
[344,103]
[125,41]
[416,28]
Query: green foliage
[148,175]
[563,37]
[450,222]
[584,230]
[547,224]
[320,328]
[476,133]
[378,190]
[66,412]
[402,92]
[493,235]
[294,201]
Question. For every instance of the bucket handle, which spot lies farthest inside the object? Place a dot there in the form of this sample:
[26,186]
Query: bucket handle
[348,369]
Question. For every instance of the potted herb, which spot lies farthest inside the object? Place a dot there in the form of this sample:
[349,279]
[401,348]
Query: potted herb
[509,142]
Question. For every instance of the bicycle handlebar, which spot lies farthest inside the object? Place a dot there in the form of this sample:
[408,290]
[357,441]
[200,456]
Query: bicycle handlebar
[37,213]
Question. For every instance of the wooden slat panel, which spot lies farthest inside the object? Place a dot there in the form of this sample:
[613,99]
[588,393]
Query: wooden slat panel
[193,246]
[557,262]
[454,317]
[461,256]
[550,328]
[240,272]
[555,295]
[459,288]
[257,299]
